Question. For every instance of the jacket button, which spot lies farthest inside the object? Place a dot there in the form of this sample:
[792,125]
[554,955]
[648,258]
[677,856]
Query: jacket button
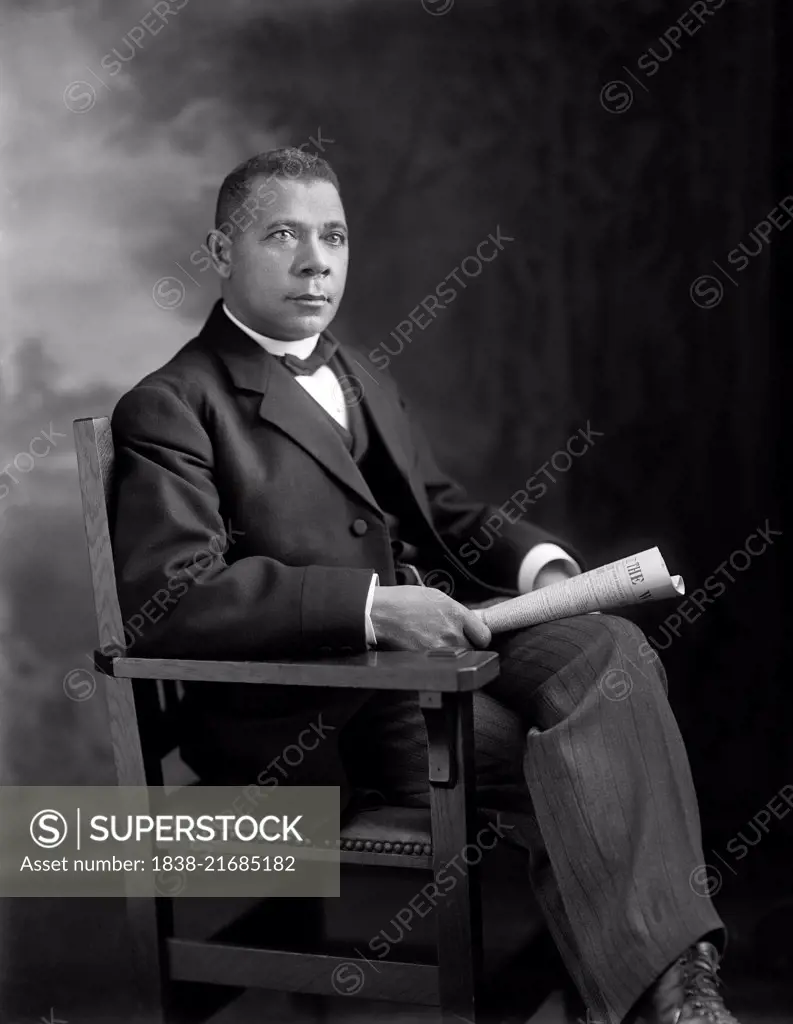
[359,527]
[325,650]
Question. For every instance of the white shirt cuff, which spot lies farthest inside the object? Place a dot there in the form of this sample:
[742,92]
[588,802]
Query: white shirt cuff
[537,558]
[371,639]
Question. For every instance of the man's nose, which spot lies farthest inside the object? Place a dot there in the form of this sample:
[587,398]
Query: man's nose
[311,260]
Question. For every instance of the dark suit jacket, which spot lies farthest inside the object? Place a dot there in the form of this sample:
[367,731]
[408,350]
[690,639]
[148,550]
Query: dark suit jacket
[242,529]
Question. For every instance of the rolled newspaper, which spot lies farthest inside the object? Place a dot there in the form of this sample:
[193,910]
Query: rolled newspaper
[636,579]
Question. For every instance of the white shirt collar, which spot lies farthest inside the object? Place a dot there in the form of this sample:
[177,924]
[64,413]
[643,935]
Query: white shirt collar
[301,348]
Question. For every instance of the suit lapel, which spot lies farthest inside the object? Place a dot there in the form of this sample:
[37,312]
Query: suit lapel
[286,405]
[284,402]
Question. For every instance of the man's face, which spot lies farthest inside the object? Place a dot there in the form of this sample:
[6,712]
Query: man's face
[286,271]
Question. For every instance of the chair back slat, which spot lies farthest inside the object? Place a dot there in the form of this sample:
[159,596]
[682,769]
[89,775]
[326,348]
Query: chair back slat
[142,732]
[93,442]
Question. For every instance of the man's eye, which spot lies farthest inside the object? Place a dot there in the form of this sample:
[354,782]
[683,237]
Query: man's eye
[283,232]
[337,238]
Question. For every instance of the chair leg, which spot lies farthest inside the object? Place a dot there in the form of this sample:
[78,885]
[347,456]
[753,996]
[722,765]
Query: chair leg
[455,855]
[146,958]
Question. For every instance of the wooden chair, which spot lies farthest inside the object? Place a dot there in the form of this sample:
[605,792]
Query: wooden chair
[141,697]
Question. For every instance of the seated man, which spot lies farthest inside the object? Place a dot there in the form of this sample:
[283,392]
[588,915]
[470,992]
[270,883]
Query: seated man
[261,512]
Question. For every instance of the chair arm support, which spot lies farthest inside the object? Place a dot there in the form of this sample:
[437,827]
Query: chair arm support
[453,670]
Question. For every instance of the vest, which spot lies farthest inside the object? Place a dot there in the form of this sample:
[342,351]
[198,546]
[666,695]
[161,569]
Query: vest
[390,490]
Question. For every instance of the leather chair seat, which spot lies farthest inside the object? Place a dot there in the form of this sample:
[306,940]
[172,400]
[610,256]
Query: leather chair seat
[386,829]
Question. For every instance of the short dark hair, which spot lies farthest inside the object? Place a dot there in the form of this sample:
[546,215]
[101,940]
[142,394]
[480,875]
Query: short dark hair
[285,164]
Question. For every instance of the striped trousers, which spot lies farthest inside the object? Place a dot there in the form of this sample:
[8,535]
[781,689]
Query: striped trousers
[577,747]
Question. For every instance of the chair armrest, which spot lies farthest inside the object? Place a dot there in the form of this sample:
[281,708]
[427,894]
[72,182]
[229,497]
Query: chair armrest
[451,670]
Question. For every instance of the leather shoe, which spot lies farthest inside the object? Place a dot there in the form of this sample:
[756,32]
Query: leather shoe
[688,992]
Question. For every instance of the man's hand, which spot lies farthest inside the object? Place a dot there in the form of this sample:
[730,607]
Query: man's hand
[419,618]
[553,572]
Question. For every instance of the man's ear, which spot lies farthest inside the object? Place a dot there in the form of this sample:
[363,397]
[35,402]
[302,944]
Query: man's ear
[219,246]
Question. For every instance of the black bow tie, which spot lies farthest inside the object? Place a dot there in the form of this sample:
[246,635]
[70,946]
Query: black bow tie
[323,352]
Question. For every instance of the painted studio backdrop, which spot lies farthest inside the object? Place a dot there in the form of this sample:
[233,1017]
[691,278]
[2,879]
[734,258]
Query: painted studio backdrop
[629,175]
